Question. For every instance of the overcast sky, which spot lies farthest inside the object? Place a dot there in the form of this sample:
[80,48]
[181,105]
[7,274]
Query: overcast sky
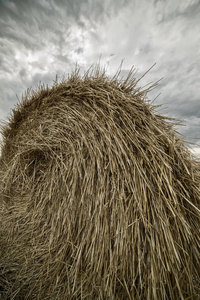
[42,38]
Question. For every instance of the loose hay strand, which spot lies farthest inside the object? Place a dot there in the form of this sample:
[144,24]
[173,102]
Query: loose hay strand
[99,196]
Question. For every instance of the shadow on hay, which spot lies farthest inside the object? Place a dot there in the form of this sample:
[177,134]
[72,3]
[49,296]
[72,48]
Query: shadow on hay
[99,196]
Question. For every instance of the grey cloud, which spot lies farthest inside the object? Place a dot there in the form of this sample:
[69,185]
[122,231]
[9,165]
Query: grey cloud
[23,72]
[35,25]
[170,10]
[63,58]
[180,97]
[179,106]
[190,10]
[49,13]
[79,50]
[8,96]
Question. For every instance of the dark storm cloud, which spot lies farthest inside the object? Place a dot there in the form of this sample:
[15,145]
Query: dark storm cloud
[39,15]
[41,38]
[27,23]
[186,11]
[35,25]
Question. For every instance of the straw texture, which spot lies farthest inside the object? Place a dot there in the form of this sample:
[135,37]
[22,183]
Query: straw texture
[99,199]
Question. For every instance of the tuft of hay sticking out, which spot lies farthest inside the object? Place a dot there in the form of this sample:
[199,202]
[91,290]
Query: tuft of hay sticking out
[99,199]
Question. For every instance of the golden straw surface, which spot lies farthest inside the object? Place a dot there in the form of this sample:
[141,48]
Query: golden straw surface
[99,198]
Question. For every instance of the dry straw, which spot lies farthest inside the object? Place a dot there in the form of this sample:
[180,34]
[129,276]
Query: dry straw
[99,196]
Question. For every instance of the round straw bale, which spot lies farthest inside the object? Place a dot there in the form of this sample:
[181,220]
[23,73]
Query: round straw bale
[99,198]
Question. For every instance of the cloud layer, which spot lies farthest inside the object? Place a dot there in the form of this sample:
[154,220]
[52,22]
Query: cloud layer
[39,39]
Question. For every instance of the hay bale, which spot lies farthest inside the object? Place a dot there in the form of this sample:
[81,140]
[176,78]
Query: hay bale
[99,196]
